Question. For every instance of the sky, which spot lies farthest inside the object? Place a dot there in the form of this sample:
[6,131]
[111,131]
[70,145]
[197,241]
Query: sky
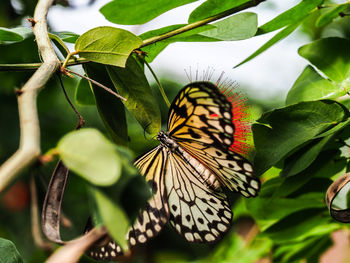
[270,75]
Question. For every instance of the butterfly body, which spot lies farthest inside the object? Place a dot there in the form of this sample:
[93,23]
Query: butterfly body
[203,173]
[191,166]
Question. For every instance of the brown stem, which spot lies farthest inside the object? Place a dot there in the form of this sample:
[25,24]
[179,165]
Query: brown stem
[29,148]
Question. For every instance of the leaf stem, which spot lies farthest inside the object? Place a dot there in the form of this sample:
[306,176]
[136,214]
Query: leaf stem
[205,21]
[159,85]
[68,57]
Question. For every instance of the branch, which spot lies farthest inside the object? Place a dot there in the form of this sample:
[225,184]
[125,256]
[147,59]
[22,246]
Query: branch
[33,66]
[194,25]
[29,148]
[73,250]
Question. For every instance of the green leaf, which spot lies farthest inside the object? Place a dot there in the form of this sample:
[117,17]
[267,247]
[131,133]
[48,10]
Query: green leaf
[295,15]
[311,86]
[113,217]
[278,37]
[190,36]
[9,252]
[213,7]
[107,45]
[268,211]
[83,94]
[301,225]
[327,164]
[89,154]
[110,108]
[7,34]
[131,83]
[67,36]
[330,13]
[304,159]
[332,57]
[238,27]
[134,12]
[282,130]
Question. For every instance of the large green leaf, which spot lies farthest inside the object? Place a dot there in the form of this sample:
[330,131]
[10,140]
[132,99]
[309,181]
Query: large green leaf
[268,211]
[311,86]
[190,36]
[276,38]
[110,108]
[282,130]
[237,27]
[213,7]
[133,12]
[332,57]
[301,225]
[302,160]
[327,164]
[107,45]
[89,154]
[131,83]
[292,16]
[113,217]
[9,252]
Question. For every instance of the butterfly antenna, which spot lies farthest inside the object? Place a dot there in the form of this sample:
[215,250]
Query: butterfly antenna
[218,82]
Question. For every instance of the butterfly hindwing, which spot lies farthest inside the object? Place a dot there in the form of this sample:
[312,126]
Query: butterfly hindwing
[152,217]
[233,170]
[198,213]
[156,212]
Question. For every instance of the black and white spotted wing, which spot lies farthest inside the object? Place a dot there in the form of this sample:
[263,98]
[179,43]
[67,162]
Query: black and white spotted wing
[156,213]
[152,217]
[197,212]
[200,121]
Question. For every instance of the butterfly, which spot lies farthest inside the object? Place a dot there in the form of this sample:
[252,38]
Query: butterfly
[197,157]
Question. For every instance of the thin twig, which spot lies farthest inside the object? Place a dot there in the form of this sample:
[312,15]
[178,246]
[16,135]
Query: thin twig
[81,121]
[29,148]
[197,24]
[38,240]
[159,84]
[97,84]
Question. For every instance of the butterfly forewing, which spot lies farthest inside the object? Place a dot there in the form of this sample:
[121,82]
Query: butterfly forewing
[200,120]
[200,113]
[197,212]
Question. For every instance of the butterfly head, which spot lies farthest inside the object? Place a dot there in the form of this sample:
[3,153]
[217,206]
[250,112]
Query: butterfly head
[165,140]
